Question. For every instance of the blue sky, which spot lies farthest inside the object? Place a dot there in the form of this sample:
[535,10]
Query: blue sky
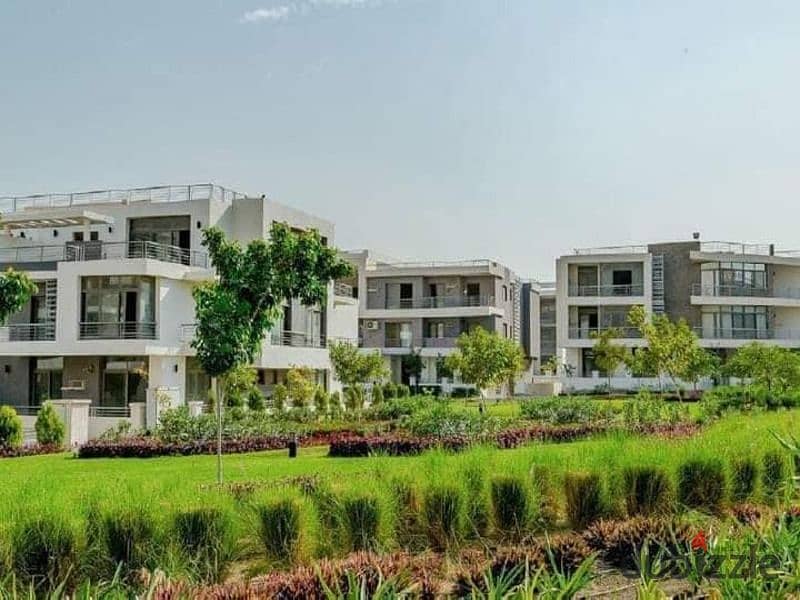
[510,129]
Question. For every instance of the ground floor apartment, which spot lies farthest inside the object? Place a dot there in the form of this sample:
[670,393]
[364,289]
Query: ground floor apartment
[118,388]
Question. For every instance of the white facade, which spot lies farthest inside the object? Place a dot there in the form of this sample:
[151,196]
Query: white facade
[422,308]
[113,320]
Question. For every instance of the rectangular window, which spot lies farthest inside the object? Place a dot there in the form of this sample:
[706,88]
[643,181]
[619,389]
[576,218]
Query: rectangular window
[505,330]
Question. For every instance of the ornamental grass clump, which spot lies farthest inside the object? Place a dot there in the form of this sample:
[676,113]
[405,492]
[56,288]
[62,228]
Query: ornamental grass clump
[361,520]
[775,475]
[205,537]
[647,491]
[44,552]
[511,507]
[703,484]
[442,515]
[586,499]
[744,479]
[279,530]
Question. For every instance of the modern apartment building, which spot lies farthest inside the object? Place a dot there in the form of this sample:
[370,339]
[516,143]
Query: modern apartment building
[422,308]
[731,293]
[112,320]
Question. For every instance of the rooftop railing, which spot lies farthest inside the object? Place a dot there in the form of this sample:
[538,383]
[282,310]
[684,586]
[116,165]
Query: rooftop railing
[627,249]
[157,194]
[483,262]
[99,250]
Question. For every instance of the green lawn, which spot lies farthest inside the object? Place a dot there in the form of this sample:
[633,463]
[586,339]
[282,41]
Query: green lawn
[68,485]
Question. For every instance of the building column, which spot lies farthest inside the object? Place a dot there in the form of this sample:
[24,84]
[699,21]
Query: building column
[166,385]
[75,414]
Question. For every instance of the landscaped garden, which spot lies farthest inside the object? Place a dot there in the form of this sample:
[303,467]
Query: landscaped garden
[602,489]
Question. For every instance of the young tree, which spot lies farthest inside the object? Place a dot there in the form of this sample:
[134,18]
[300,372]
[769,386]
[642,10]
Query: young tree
[353,367]
[411,366]
[608,356]
[300,385]
[485,359]
[235,312]
[671,347]
[16,288]
[702,363]
[775,368]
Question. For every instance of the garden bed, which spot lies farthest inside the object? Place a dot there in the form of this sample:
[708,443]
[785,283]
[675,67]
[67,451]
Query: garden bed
[405,445]
[30,450]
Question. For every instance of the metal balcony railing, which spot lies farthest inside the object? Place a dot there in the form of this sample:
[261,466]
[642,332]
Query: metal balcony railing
[121,412]
[439,342]
[747,333]
[743,291]
[441,302]
[607,290]
[481,262]
[81,251]
[297,339]
[122,330]
[587,333]
[157,194]
[28,332]
[625,249]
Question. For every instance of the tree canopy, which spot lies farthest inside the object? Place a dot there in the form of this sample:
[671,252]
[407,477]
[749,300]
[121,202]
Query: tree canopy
[485,359]
[608,356]
[774,367]
[16,288]
[235,312]
[353,366]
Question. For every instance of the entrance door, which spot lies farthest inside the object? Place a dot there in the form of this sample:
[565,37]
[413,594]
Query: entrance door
[406,295]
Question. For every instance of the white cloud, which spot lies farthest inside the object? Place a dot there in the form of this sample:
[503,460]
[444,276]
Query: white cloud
[276,13]
[302,7]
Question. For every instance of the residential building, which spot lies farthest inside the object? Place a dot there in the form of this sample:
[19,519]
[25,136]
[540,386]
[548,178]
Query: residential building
[421,308]
[112,320]
[731,293]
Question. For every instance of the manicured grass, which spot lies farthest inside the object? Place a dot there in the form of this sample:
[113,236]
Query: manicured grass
[68,485]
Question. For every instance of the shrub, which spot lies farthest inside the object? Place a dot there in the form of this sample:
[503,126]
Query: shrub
[205,536]
[511,506]
[442,516]
[129,538]
[403,391]
[44,551]
[335,401]
[255,400]
[300,386]
[10,428]
[702,484]
[377,395]
[353,398]
[647,491]
[562,411]
[279,529]
[361,517]
[389,390]
[586,499]
[477,510]
[279,397]
[744,479]
[320,401]
[49,426]
[774,475]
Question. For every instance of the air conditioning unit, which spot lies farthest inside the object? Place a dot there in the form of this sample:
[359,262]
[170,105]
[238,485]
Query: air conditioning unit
[371,325]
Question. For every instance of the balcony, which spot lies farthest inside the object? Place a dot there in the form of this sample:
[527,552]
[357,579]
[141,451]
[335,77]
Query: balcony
[297,339]
[121,330]
[440,302]
[737,291]
[607,290]
[439,342]
[588,333]
[746,333]
[84,251]
[28,332]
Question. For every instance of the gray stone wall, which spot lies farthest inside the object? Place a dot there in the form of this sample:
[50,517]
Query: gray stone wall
[15,385]
[680,274]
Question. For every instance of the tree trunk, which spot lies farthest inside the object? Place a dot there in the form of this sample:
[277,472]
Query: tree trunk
[218,384]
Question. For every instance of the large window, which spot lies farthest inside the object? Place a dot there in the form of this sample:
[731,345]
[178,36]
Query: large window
[46,379]
[197,381]
[119,306]
[735,278]
[737,322]
[124,381]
